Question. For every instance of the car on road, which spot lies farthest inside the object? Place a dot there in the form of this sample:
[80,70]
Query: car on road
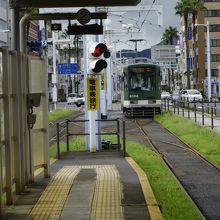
[165,95]
[191,95]
[73,98]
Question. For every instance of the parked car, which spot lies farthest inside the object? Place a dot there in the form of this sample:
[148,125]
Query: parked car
[74,99]
[191,95]
[165,95]
[71,98]
[176,95]
[80,100]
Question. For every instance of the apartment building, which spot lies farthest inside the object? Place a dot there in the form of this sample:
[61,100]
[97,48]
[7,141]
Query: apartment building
[211,15]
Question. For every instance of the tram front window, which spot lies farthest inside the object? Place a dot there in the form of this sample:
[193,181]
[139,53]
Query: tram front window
[140,81]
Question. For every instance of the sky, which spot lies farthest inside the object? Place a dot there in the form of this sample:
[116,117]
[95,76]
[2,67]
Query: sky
[143,25]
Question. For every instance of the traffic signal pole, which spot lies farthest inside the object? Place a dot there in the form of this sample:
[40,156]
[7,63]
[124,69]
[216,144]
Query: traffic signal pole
[107,39]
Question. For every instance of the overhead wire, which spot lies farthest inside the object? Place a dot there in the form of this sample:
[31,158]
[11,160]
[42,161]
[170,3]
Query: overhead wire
[147,15]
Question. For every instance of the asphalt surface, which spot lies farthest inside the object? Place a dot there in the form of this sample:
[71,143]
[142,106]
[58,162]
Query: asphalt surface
[78,201]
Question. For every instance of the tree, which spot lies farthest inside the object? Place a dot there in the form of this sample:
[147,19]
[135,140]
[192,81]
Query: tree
[169,35]
[183,9]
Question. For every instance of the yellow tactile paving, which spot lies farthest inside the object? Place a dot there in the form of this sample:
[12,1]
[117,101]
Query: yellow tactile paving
[51,202]
[107,196]
[106,203]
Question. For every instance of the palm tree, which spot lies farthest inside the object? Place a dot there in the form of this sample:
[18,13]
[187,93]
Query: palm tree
[184,8]
[169,35]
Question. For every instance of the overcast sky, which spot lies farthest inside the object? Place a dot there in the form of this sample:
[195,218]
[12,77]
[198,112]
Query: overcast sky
[144,24]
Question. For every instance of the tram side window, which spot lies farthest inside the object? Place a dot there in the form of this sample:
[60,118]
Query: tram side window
[125,84]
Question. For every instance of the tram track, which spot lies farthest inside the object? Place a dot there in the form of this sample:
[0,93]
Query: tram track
[196,175]
[184,145]
[62,131]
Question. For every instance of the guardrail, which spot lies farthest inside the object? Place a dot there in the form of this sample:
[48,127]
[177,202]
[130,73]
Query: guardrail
[196,110]
[65,131]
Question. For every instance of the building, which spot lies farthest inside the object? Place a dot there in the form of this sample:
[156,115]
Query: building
[3,23]
[166,57]
[211,15]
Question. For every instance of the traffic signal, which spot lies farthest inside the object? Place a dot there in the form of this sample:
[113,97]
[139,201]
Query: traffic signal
[97,54]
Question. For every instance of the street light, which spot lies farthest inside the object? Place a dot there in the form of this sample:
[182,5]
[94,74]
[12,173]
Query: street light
[208,57]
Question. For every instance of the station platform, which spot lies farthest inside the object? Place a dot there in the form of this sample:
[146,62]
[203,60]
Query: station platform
[83,185]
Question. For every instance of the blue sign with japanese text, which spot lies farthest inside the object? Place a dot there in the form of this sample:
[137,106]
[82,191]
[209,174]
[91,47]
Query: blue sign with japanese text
[67,68]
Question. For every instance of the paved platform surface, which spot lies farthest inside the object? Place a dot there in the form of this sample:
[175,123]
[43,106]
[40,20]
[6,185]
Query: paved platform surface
[83,185]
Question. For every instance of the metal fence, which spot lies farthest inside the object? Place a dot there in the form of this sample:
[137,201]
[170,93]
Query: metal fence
[63,131]
[205,113]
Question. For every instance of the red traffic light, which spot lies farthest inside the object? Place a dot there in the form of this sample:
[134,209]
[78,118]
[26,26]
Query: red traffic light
[99,50]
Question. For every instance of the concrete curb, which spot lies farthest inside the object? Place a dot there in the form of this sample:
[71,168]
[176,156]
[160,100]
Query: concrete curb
[150,199]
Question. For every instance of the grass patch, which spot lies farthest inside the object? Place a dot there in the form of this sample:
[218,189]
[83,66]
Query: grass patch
[59,114]
[162,181]
[76,144]
[174,203]
[202,139]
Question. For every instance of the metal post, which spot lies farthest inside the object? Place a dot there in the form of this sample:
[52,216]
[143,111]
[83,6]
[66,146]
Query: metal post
[212,119]
[208,58]
[183,108]
[17,112]
[118,134]
[202,113]
[54,76]
[208,107]
[174,106]
[208,61]
[195,111]
[188,109]
[58,141]
[67,136]
[124,140]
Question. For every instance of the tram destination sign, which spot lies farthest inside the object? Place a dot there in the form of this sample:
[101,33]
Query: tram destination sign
[70,3]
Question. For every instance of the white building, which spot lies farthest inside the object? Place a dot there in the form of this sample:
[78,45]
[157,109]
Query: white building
[166,57]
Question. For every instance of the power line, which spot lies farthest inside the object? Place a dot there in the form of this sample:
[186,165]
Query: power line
[147,14]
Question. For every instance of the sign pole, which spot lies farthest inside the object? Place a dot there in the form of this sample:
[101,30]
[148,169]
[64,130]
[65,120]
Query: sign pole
[54,76]
[93,106]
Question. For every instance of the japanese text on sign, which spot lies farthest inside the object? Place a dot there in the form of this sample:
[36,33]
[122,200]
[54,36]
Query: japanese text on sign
[102,81]
[92,94]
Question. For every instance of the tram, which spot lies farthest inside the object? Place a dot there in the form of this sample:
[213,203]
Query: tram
[141,90]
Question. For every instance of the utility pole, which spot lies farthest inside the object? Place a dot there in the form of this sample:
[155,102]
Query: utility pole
[135,41]
[208,52]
